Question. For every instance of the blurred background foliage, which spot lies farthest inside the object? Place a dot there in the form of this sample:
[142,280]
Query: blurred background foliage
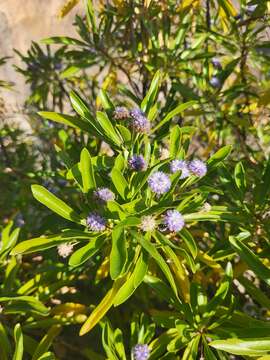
[213,53]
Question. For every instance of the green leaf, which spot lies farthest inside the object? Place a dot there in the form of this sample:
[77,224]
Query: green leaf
[175,141]
[118,254]
[150,97]
[46,341]
[5,345]
[220,294]
[108,129]
[119,182]
[218,157]
[47,242]
[81,255]
[25,304]
[252,260]
[90,15]
[68,120]
[63,40]
[105,100]
[248,347]
[47,356]
[87,172]
[191,351]
[178,110]
[58,206]
[240,176]
[81,108]
[18,336]
[151,249]
[102,308]
[189,241]
[134,280]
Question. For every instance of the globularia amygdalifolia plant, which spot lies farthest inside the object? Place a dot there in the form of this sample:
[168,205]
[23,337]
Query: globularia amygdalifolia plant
[136,213]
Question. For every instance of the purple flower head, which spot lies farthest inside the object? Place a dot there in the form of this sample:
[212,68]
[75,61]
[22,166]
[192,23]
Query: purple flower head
[197,167]
[251,8]
[139,121]
[134,113]
[137,163]
[215,82]
[95,222]
[216,63]
[140,352]
[159,182]
[121,113]
[180,165]
[174,220]
[19,221]
[102,195]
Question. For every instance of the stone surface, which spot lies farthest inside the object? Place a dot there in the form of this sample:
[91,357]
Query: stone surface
[22,22]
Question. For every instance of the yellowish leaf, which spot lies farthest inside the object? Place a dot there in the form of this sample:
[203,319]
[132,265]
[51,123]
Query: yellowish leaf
[67,7]
[102,307]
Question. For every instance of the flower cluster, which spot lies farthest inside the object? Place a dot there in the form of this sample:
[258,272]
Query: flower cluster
[103,195]
[139,121]
[180,165]
[121,113]
[64,250]
[174,220]
[140,352]
[159,182]
[137,163]
[195,167]
[95,222]
[148,223]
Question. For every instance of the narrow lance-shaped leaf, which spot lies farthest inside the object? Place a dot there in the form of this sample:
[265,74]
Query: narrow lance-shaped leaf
[83,254]
[119,182]
[47,242]
[46,341]
[252,260]
[151,249]
[54,203]
[178,110]
[87,172]
[102,308]
[247,347]
[134,280]
[108,129]
[218,157]
[150,97]
[118,254]
[18,336]
[73,121]
[240,176]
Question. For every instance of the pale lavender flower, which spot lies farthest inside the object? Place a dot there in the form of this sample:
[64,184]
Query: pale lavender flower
[139,121]
[251,8]
[174,220]
[64,250]
[103,195]
[216,63]
[159,182]
[180,165]
[148,223]
[215,82]
[137,163]
[95,222]
[19,221]
[121,113]
[140,352]
[197,167]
